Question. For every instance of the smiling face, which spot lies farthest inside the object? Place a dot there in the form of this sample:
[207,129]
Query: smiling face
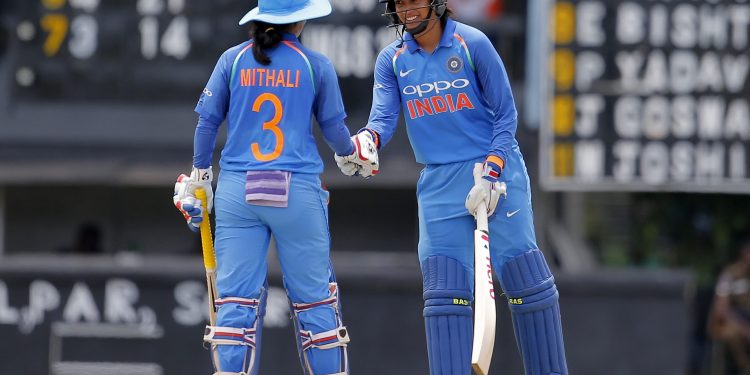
[412,12]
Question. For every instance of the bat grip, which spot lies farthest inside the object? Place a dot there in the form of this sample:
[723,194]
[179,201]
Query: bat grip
[481,214]
[209,258]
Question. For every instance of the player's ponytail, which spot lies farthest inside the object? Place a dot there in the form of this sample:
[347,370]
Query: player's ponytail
[265,36]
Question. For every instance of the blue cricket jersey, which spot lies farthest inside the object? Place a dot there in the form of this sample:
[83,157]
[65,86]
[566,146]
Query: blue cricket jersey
[457,101]
[269,109]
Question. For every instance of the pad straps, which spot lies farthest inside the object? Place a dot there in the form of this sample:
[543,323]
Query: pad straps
[336,337]
[230,336]
[246,302]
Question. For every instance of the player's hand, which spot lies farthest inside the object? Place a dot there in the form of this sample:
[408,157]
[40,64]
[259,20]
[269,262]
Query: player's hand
[488,190]
[364,160]
[184,195]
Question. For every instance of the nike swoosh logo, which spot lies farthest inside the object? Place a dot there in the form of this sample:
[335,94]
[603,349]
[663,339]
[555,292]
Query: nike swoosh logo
[405,73]
[511,213]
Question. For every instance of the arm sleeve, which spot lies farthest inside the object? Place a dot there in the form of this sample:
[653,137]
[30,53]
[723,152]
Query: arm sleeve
[386,100]
[212,110]
[214,100]
[328,106]
[204,142]
[329,110]
[497,92]
[338,138]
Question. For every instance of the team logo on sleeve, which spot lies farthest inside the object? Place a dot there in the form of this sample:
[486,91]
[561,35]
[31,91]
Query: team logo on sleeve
[208,92]
[454,64]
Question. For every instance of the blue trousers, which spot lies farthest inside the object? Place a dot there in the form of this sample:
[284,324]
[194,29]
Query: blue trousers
[446,227]
[243,233]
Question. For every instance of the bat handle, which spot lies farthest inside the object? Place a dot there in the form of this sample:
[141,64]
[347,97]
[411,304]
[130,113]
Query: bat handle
[209,256]
[207,243]
[481,214]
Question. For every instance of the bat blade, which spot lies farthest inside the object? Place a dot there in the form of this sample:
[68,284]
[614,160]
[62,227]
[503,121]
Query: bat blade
[484,293]
[484,306]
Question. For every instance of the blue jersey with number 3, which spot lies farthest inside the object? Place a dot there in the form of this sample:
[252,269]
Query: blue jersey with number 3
[269,108]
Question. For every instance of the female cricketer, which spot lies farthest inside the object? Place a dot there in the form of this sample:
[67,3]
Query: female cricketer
[459,111]
[268,88]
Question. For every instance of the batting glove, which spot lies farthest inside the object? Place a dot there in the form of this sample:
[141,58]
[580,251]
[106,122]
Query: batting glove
[489,190]
[364,160]
[184,195]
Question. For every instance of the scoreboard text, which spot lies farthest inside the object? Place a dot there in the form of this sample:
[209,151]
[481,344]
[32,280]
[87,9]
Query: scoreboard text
[648,95]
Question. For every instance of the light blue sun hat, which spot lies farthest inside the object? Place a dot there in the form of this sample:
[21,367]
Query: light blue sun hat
[287,11]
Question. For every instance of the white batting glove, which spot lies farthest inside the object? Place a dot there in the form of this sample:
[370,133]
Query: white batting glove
[184,195]
[364,160]
[489,190]
[346,166]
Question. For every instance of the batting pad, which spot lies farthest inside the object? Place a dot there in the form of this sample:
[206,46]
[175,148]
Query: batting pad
[533,299]
[322,339]
[235,340]
[447,315]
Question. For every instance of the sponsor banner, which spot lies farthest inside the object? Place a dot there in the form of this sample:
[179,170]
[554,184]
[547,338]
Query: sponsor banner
[152,324]
[89,315]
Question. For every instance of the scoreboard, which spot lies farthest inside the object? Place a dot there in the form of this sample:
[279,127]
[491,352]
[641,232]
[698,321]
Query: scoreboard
[646,96]
[144,50]
[129,72]
[92,50]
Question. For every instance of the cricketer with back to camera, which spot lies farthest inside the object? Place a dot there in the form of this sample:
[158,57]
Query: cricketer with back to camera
[268,88]
[459,111]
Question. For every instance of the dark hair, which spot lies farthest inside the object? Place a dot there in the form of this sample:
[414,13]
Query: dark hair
[266,35]
[444,18]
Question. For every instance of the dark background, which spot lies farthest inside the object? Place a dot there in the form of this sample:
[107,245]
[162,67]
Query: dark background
[90,147]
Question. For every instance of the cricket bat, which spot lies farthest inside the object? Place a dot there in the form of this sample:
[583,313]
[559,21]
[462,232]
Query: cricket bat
[209,257]
[484,292]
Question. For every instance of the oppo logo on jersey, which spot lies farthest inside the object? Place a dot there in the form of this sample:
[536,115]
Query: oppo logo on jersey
[437,103]
[436,87]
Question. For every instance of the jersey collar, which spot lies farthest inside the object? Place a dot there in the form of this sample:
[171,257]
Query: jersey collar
[289,36]
[446,40]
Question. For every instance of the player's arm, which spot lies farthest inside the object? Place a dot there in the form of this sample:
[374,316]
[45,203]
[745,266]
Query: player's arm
[329,110]
[497,92]
[212,110]
[351,154]
[386,100]
[496,87]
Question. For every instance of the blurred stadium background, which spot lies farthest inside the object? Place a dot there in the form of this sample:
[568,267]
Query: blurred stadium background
[633,120]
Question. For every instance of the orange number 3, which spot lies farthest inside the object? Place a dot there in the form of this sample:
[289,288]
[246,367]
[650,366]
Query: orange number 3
[272,125]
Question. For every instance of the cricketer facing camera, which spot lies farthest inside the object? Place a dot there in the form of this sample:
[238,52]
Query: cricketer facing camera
[268,88]
[459,111]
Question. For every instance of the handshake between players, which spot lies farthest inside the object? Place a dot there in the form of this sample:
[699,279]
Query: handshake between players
[364,160]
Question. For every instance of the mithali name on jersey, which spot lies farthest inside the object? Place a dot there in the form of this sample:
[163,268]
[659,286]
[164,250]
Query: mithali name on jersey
[269,77]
